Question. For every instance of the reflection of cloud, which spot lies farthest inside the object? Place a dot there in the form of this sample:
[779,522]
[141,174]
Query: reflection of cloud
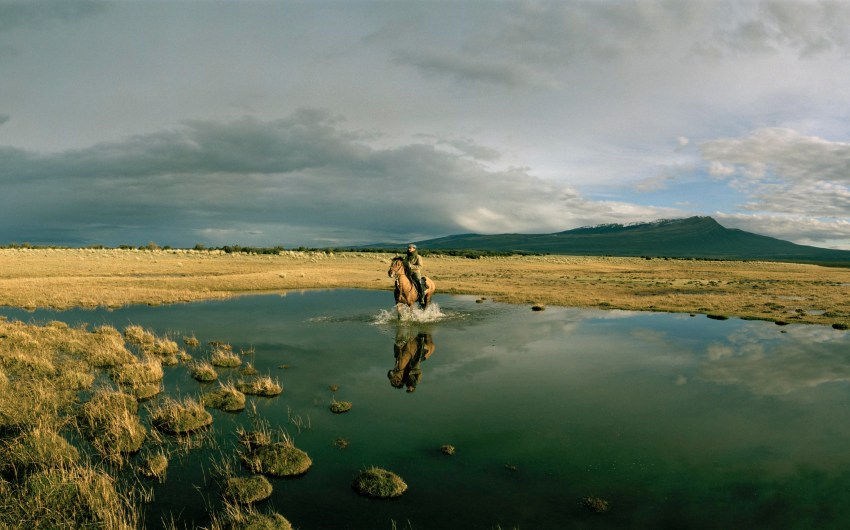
[756,359]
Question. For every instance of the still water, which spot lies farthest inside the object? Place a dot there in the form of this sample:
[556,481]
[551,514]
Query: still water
[675,421]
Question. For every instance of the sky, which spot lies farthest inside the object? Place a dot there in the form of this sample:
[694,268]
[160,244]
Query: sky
[334,123]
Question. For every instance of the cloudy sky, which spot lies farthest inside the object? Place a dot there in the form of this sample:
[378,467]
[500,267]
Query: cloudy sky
[335,123]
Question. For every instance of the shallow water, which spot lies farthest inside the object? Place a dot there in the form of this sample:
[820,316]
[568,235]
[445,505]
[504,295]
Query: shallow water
[676,421]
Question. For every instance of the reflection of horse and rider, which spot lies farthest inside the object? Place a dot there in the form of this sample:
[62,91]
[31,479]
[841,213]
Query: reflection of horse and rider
[409,353]
[410,284]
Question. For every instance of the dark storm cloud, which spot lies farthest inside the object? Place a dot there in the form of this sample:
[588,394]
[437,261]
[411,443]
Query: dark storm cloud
[533,44]
[255,182]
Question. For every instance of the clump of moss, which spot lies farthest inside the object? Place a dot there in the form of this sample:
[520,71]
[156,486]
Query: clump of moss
[717,317]
[226,398]
[174,417]
[339,407]
[246,490]
[595,504]
[379,483]
[224,358]
[204,372]
[191,342]
[278,459]
[260,386]
[154,466]
[538,307]
[342,443]
[447,449]
[841,326]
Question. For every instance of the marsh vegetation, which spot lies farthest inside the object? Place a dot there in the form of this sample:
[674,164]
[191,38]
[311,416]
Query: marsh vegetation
[82,423]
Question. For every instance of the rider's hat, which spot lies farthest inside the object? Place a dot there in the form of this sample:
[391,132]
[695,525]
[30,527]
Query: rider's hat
[412,245]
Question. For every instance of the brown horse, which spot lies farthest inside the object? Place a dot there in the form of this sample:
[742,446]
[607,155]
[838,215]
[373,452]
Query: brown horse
[405,291]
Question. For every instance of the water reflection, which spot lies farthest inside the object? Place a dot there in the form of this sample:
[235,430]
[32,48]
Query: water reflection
[409,351]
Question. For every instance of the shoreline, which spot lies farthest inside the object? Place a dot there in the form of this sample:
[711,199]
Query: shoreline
[780,292]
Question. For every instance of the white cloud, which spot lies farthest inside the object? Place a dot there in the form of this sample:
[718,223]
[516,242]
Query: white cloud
[798,185]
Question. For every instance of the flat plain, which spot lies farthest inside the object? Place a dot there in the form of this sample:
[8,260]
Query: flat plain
[780,292]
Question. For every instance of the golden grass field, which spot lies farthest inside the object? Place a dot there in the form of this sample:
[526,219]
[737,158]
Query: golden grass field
[783,292]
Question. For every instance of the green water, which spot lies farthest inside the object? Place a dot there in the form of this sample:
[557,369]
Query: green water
[675,421]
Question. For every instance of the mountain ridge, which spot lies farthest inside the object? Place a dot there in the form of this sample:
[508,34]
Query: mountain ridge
[691,237]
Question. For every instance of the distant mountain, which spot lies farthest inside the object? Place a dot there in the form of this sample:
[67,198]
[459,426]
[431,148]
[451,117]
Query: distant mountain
[694,237]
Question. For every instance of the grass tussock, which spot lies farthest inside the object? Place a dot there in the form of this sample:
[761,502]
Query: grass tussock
[246,490]
[204,372]
[248,370]
[154,466]
[223,358]
[39,449]
[278,459]
[69,497]
[379,483]
[246,517]
[175,417]
[138,372]
[226,398]
[260,386]
[135,334]
[111,423]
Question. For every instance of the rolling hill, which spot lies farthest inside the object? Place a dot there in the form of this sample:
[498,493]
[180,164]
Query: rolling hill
[693,237]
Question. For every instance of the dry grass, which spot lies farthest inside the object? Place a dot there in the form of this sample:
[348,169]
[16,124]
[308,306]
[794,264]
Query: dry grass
[224,358]
[204,372]
[180,417]
[110,421]
[32,278]
[260,386]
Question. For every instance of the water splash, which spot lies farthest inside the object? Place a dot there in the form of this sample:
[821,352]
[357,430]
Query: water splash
[403,313]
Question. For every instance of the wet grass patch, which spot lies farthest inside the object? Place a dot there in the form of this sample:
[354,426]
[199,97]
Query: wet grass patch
[379,483]
[180,417]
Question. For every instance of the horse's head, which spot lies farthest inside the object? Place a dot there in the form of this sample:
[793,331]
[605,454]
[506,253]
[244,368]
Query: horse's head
[396,266]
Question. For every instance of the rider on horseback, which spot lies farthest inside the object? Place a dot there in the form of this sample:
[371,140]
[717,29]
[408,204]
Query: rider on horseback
[413,267]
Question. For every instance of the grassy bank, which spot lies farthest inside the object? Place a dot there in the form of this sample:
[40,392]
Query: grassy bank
[76,447]
[62,278]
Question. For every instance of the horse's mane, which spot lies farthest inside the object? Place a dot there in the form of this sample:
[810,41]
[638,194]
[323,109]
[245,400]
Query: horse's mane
[398,258]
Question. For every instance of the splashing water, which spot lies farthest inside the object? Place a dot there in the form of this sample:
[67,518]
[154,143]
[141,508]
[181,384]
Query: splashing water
[403,313]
